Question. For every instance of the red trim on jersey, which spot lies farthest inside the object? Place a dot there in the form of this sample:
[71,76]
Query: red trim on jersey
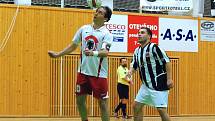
[81,53]
[81,61]
[100,65]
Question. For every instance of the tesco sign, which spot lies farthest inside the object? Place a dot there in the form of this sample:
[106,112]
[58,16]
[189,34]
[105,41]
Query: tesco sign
[115,26]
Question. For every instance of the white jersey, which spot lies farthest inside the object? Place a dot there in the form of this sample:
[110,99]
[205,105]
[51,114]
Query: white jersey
[92,39]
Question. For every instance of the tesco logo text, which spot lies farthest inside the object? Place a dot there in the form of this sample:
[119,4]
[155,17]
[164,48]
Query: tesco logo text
[115,26]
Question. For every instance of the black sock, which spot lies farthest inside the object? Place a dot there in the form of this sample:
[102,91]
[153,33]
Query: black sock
[118,107]
[124,109]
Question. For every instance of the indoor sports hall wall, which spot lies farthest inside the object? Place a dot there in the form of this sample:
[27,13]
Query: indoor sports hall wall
[30,80]
[62,86]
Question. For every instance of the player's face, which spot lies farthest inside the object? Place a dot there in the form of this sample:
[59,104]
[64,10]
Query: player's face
[124,62]
[99,15]
[143,36]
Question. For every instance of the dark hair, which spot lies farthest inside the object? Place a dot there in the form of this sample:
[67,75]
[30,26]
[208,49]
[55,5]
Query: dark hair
[148,31]
[120,60]
[108,12]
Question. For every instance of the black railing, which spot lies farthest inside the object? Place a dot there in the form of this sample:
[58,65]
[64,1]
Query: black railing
[118,5]
[7,1]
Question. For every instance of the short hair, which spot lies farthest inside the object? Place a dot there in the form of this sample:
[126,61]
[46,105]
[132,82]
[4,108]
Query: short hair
[108,12]
[120,60]
[148,31]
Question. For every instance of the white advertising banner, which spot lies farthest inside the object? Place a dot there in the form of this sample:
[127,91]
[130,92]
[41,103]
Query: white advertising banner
[118,26]
[166,5]
[178,34]
[207,30]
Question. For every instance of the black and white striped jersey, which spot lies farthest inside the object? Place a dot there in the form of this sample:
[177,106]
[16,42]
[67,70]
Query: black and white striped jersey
[151,60]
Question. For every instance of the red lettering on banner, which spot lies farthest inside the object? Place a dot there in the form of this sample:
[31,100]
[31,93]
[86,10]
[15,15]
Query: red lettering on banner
[135,23]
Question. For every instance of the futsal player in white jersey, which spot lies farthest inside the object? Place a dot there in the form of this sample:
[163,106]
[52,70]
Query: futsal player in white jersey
[92,74]
[155,73]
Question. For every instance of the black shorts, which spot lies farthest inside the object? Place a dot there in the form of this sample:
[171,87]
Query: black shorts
[123,91]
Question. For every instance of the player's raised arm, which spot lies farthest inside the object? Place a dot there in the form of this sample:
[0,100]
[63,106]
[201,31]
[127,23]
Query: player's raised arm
[70,48]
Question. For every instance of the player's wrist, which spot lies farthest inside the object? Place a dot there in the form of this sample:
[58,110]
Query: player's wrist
[95,53]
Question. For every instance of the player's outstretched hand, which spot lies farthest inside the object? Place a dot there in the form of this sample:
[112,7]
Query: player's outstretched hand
[170,83]
[53,54]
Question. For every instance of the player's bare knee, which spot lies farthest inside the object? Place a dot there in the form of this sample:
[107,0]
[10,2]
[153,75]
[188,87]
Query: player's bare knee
[79,103]
[135,106]
[80,100]
[103,103]
[161,110]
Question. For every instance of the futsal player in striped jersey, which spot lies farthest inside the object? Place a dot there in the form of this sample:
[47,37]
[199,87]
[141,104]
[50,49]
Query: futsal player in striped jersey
[92,74]
[155,72]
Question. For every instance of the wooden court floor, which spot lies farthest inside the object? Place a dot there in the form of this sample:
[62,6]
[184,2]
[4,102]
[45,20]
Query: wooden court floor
[199,118]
